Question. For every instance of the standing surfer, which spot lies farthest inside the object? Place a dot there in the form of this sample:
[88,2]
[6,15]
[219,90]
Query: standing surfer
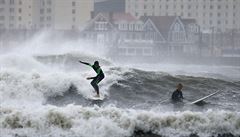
[100,75]
[177,94]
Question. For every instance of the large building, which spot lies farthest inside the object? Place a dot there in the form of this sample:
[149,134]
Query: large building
[16,14]
[211,15]
[49,14]
[109,6]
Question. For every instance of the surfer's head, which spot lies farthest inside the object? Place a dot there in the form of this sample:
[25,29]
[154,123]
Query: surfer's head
[179,86]
[96,63]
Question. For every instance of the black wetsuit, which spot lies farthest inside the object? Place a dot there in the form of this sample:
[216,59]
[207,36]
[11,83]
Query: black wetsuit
[100,76]
[177,95]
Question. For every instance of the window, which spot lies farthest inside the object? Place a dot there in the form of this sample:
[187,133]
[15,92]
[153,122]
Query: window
[136,14]
[41,11]
[177,27]
[49,2]
[11,2]
[2,25]
[2,1]
[73,11]
[49,10]
[2,17]
[20,2]
[1,9]
[210,14]
[49,18]
[73,27]
[131,26]
[20,10]
[11,10]
[100,25]
[73,3]
[211,7]
[145,7]
[19,18]
[177,34]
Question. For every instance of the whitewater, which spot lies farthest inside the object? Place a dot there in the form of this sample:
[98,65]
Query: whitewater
[44,93]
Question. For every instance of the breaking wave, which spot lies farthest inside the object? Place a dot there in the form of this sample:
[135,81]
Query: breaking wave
[81,121]
[48,95]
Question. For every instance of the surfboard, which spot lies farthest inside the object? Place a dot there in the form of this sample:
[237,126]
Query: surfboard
[97,98]
[203,98]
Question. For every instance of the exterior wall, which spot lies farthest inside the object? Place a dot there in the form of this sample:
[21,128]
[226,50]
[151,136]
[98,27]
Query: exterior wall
[50,14]
[220,14]
[16,14]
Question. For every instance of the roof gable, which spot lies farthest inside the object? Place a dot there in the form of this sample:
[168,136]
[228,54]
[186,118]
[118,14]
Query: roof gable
[150,26]
[162,23]
[99,18]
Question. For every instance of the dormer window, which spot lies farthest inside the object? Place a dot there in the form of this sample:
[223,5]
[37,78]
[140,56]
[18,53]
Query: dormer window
[121,26]
[177,27]
[131,26]
[100,25]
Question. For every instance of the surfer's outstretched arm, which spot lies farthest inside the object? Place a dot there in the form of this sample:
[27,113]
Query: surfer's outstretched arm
[85,63]
[89,78]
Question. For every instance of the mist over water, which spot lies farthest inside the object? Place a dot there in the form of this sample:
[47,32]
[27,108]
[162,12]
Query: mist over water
[44,92]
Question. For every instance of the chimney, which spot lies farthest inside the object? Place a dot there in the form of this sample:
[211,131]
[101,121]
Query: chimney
[92,14]
[111,16]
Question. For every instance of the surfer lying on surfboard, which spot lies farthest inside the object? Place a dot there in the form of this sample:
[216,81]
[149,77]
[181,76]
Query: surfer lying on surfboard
[100,75]
[177,94]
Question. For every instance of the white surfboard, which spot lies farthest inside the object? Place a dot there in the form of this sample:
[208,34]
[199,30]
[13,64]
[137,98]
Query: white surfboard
[201,99]
[97,98]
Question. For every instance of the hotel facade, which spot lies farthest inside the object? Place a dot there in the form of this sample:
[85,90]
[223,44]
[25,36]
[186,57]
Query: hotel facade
[211,15]
[48,14]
